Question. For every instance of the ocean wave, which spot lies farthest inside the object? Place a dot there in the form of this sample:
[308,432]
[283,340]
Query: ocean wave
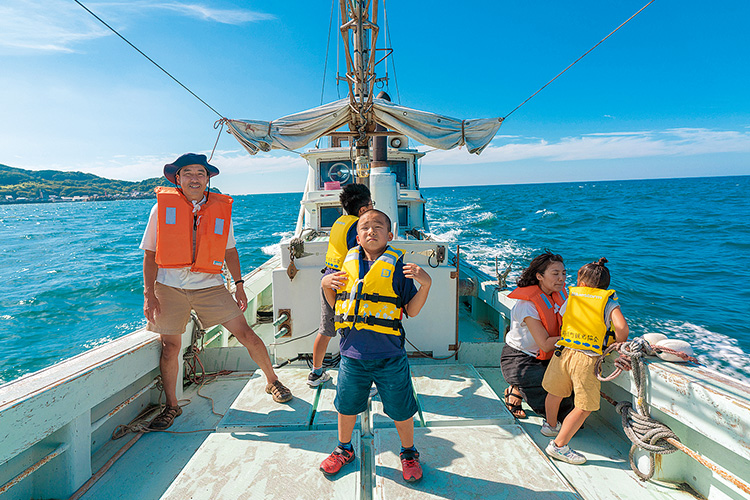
[473,206]
[450,235]
[484,218]
[714,350]
[97,342]
[545,212]
[272,249]
[283,234]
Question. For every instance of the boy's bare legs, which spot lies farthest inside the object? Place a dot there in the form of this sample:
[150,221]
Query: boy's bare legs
[346,427]
[319,349]
[570,426]
[551,407]
[405,430]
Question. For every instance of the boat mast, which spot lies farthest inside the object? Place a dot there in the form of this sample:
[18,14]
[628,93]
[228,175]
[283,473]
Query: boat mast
[359,48]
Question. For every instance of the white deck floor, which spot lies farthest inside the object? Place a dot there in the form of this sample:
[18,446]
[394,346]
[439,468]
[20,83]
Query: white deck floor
[470,446]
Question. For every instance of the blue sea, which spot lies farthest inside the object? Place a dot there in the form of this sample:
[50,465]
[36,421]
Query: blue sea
[679,253]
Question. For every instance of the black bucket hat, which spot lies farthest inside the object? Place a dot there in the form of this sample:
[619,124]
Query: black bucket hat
[171,169]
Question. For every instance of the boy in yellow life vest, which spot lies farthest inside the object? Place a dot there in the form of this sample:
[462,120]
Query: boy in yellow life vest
[371,292]
[589,317]
[356,200]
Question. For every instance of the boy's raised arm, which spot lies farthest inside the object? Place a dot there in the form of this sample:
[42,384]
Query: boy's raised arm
[331,283]
[419,275]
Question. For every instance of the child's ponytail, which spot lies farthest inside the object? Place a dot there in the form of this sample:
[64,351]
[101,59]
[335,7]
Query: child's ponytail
[595,274]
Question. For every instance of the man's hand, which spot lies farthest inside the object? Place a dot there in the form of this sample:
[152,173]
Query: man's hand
[240,297]
[334,281]
[151,307]
[418,274]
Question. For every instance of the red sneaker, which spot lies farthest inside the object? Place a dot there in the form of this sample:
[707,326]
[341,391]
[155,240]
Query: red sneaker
[410,467]
[336,460]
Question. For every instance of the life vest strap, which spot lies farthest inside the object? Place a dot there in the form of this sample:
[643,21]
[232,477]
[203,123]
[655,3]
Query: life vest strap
[371,297]
[394,324]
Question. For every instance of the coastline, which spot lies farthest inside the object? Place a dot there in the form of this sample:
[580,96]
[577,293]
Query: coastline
[98,198]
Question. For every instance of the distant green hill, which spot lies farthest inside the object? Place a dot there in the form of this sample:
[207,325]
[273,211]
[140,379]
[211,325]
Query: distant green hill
[41,184]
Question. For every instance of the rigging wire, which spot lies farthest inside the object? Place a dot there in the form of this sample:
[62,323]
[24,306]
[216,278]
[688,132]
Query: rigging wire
[571,64]
[147,57]
[338,60]
[328,47]
[390,44]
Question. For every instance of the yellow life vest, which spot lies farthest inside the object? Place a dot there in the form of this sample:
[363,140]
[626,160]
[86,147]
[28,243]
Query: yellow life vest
[583,325]
[368,301]
[177,225]
[337,247]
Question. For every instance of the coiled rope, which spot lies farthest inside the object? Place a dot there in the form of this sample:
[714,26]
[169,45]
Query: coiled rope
[642,430]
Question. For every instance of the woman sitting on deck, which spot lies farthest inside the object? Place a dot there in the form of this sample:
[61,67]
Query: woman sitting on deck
[534,329]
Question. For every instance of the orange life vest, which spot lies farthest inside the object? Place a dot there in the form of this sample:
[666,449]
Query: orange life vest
[548,308]
[177,227]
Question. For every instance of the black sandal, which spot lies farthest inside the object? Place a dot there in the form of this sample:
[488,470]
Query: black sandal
[515,408]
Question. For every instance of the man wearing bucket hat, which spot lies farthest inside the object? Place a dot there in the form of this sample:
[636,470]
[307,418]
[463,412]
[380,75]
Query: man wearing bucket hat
[188,238]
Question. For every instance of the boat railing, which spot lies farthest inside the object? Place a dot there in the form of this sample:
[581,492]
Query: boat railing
[54,420]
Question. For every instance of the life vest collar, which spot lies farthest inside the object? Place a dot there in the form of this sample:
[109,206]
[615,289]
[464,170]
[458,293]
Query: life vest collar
[548,307]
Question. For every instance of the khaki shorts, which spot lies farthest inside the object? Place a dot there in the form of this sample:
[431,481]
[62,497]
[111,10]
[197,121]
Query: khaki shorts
[573,371]
[214,306]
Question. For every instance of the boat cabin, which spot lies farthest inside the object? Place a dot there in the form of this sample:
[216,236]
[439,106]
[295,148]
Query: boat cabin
[397,185]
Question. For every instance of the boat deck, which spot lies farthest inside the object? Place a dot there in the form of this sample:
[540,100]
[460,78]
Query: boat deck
[470,445]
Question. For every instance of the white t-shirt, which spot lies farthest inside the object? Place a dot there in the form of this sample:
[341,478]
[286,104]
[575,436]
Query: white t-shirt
[182,277]
[519,337]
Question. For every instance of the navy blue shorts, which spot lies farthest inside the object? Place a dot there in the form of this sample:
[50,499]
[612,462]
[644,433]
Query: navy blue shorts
[392,378]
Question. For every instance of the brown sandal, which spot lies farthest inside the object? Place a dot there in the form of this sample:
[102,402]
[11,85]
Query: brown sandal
[279,392]
[515,408]
[166,418]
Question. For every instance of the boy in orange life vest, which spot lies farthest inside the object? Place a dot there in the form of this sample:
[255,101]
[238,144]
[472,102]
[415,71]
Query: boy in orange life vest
[371,292]
[188,237]
[356,200]
[588,318]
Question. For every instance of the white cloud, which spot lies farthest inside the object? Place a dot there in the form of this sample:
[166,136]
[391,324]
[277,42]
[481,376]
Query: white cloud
[61,25]
[136,168]
[225,16]
[53,26]
[605,146]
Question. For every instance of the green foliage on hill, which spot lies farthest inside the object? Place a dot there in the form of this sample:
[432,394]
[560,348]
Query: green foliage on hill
[34,184]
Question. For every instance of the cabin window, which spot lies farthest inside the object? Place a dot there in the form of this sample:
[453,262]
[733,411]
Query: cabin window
[328,215]
[403,216]
[335,171]
[401,169]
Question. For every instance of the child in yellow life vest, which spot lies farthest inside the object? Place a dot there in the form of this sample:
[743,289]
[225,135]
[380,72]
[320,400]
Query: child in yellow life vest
[356,200]
[371,293]
[589,317]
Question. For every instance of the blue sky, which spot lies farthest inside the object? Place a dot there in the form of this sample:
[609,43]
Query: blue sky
[666,96]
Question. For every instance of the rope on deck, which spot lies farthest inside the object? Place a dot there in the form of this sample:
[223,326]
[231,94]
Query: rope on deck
[643,431]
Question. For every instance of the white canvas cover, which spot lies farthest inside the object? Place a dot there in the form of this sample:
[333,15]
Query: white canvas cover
[295,131]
